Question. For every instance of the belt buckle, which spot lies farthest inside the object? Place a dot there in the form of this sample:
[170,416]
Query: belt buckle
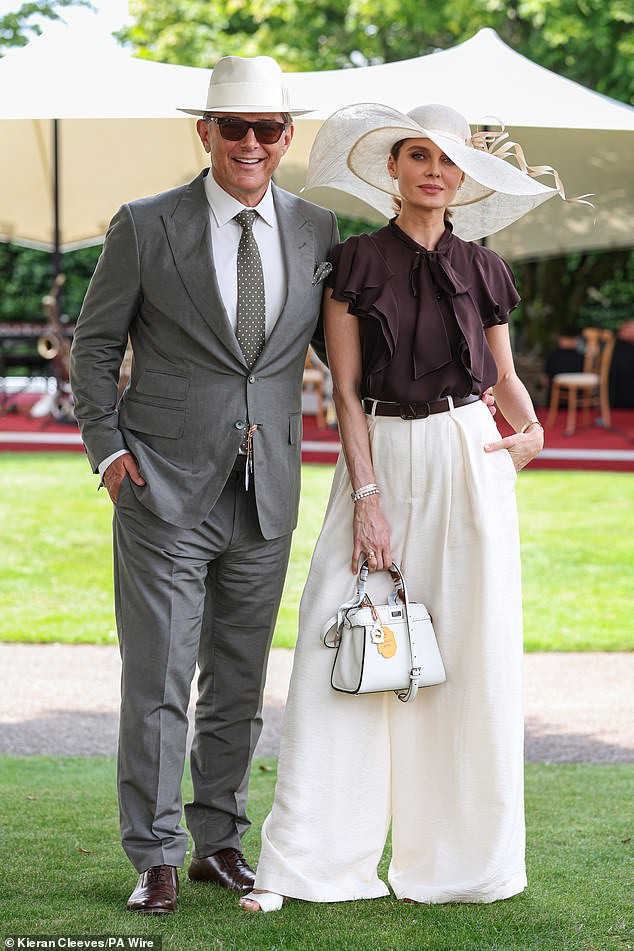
[414,410]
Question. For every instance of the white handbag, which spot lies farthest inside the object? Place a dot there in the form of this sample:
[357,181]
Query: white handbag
[383,646]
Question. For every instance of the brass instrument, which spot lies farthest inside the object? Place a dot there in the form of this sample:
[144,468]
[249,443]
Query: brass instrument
[54,343]
[48,346]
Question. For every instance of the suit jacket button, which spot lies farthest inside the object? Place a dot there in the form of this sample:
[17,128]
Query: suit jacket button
[239,424]
[251,379]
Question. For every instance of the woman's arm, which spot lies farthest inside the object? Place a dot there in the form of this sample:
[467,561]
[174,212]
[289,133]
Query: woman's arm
[514,402]
[370,530]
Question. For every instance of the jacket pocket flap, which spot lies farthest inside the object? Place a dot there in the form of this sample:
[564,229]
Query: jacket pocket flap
[155,420]
[170,387]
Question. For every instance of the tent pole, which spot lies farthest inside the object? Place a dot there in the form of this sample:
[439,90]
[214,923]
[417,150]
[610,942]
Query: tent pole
[56,259]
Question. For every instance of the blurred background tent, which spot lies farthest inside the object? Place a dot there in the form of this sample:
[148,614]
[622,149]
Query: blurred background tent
[86,127]
[587,137]
[119,136]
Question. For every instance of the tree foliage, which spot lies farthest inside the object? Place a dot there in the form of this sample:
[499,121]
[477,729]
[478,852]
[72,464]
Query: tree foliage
[19,26]
[589,41]
[26,278]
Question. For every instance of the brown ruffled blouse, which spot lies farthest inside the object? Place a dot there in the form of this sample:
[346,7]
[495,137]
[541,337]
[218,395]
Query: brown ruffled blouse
[423,313]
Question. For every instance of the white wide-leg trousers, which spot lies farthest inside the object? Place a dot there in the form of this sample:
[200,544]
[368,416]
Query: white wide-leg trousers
[447,769]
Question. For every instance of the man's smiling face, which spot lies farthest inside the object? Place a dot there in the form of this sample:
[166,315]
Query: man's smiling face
[244,169]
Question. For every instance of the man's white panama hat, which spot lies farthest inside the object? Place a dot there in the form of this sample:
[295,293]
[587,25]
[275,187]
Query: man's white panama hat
[351,150]
[247,84]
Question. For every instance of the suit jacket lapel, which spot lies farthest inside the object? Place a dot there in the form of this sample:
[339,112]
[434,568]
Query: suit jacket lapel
[299,256]
[188,233]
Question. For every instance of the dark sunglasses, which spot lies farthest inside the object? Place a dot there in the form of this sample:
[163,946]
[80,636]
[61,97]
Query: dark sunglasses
[266,131]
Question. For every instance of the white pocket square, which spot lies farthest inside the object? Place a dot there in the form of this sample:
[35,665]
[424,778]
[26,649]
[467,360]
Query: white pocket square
[322,271]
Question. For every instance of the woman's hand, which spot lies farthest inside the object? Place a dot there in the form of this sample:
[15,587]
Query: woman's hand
[522,447]
[371,535]
[489,401]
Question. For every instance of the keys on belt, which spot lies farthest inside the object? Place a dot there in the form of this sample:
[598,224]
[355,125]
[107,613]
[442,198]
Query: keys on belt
[246,447]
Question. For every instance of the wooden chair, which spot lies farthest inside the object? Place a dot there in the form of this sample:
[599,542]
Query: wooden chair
[588,389]
[313,380]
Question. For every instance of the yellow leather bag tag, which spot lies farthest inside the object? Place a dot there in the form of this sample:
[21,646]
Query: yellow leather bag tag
[387,647]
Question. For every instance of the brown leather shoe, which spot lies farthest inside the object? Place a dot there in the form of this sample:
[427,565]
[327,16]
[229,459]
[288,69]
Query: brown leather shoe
[156,891]
[227,868]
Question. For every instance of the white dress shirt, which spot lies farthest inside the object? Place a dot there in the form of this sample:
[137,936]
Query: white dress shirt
[225,238]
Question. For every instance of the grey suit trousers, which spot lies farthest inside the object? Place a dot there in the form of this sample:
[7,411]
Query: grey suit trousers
[210,595]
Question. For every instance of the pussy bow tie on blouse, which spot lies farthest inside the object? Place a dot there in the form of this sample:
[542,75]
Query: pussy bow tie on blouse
[431,276]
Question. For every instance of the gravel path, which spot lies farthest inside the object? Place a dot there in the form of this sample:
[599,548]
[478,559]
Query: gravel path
[62,700]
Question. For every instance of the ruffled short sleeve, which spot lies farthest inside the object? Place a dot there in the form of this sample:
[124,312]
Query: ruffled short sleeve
[494,288]
[357,266]
[360,277]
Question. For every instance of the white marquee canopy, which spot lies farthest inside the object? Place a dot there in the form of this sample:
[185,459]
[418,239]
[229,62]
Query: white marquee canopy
[120,135]
[587,137]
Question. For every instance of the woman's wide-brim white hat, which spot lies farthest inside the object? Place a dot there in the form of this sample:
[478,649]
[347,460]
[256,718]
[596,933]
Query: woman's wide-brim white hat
[242,84]
[351,150]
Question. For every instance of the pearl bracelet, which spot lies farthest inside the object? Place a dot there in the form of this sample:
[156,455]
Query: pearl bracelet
[364,491]
[531,422]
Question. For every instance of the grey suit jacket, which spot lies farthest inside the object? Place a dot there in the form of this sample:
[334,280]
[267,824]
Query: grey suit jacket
[190,391]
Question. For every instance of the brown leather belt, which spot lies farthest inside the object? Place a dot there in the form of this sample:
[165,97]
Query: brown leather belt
[414,410]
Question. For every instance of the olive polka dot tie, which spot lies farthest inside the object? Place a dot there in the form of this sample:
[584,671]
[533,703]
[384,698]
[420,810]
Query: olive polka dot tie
[251,326]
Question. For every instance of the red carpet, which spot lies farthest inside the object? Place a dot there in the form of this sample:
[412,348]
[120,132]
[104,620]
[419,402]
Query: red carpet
[20,433]
[591,447]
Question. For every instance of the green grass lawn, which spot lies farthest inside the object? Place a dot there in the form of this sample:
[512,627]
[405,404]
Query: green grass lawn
[64,873]
[55,583]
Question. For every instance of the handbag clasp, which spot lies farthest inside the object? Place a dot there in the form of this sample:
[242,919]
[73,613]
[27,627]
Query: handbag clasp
[377,634]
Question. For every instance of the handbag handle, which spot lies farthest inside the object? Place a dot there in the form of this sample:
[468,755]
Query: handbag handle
[401,591]
[395,572]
